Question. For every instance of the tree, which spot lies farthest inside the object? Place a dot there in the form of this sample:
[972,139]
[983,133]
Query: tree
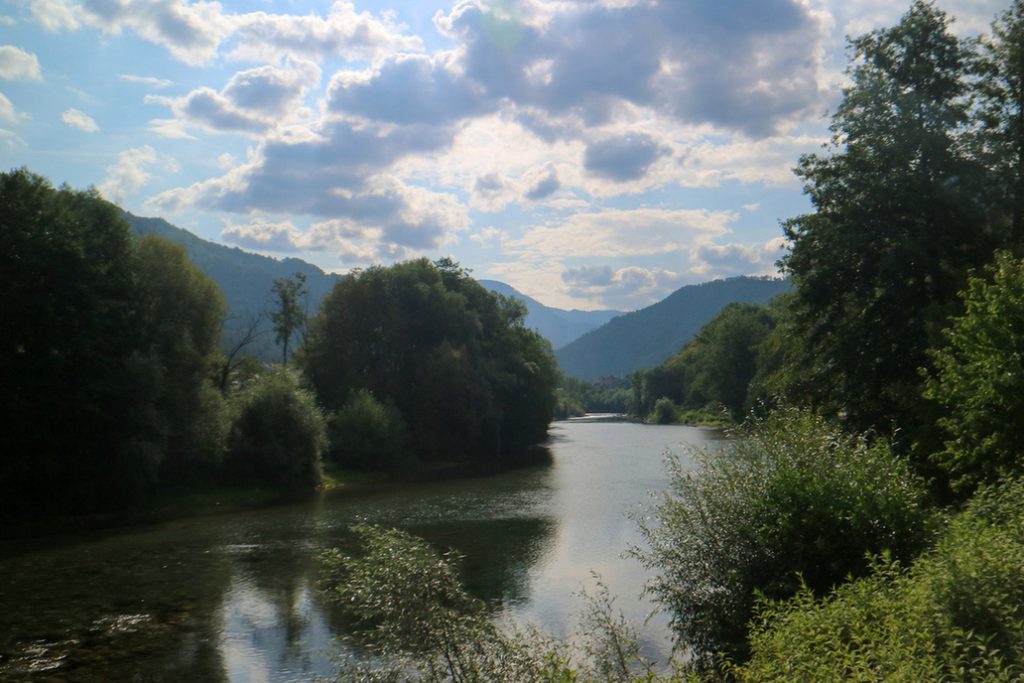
[896,226]
[178,323]
[66,335]
[1001,94]
[469,381]
[290,316]
[279,434]
[978,378]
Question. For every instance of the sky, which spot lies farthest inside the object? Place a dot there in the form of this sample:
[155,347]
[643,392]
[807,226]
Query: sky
[590,153]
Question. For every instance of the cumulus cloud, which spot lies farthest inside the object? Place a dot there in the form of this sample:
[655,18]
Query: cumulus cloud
[193,33]
[623,158]
[128,174]
[340,172]
[620,232]
[80,120]
[354,35]
[18,65]
[264,236]
[751,67]
[630,287]
[723,260]
[544,186]
[254,101]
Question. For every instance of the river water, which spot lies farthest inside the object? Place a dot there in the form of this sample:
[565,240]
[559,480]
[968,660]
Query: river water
[233,597]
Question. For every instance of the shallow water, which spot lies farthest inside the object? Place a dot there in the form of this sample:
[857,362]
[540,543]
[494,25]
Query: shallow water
[233,597]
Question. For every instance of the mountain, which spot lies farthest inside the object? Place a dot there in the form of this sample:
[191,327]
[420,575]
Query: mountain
[245,278]
[644,338]
[559,326]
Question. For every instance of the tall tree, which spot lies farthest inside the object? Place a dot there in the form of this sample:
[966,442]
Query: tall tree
[1001,105]
[896,225]
[289,317]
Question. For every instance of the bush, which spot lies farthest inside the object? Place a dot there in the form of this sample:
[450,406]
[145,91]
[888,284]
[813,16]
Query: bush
[368,434]
[978,380]
[956,614]
[410,612]
[665,412]
[793,497]
[279,434]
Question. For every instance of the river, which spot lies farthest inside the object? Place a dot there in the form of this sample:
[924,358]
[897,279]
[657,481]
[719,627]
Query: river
[233,597]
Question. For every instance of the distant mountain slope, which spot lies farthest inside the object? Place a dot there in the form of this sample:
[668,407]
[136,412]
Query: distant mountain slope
[559,326]
[644,338]
[245,278]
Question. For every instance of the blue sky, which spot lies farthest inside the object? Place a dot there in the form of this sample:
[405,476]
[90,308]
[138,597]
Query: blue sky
[592,154]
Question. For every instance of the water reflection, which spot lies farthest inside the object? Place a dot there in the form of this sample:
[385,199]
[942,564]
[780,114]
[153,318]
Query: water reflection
[234,597]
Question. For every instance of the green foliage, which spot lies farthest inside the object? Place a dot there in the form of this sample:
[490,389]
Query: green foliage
[411,613]
[279,435]
[1001,104]
[606,395]
[179,313]
[289,316]
[369,435]
[665,412]
[955,615]
[715,368]
[470,382]
[66,321]
[792,500]
[107,348]
[899,220]
[979,380]
[245,279]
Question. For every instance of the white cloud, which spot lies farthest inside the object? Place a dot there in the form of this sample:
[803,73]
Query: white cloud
[253,102]
[151,81]
[7,112]
[54,15]
[17,64]
[265,236]
[623,288]
[128,174]
[7,21]
[194,32]
[80,120]
[10,139]
[623,232]
[723,260]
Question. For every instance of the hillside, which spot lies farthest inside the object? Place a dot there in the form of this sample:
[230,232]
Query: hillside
[559,326]
[647,337]
[245,278]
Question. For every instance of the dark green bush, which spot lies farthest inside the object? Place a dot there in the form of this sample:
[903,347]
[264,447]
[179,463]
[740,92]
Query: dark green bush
[279,434]
[957,614]
[368,434]
[665,412]
[791,497]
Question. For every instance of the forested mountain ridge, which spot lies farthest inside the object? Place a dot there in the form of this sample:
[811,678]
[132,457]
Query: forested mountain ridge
[645,338]
[245,278]
[561,327]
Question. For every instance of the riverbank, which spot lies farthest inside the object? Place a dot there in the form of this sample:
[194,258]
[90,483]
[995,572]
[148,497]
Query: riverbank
[197,500]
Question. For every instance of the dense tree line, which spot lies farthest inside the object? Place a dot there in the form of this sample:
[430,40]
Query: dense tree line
[114,384]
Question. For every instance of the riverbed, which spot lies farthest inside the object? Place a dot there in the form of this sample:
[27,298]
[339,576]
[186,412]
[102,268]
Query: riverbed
[233,597]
